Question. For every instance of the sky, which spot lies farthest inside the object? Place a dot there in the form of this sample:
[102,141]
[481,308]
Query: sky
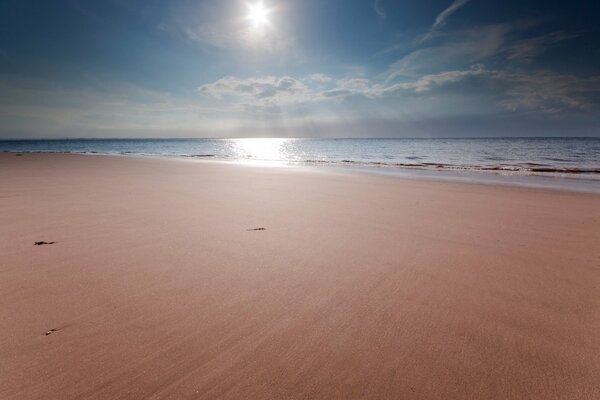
[304,68]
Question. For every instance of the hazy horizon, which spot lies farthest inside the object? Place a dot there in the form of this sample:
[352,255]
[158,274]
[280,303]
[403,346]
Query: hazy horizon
[296,138]
[77,69]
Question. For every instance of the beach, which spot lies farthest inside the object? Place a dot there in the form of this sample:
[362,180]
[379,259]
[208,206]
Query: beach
[187,279]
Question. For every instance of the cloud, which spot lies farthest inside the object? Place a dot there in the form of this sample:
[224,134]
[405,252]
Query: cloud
[354,84]
[337,93]
[502,44]
[269,105]
[464,47]
[379,9]
[429,82]
[528,49]
[517,90]
[440,20]
[263,91]
[321,78]
[240,93]
[538,91]
[514,91]
[547,92]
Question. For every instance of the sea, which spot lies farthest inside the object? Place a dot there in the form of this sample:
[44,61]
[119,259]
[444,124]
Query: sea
[562,163]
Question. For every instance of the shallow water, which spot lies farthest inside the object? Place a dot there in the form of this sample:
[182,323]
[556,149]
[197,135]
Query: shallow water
[561,158]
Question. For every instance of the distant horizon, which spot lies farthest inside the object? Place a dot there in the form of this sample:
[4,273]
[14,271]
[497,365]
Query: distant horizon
[301,138]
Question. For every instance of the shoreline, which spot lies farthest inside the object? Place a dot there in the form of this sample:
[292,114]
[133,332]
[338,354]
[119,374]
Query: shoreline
[578,183]
[162,278]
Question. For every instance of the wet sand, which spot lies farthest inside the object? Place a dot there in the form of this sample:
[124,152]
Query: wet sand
[160,284]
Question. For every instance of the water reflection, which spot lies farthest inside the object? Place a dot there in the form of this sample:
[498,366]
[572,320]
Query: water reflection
[261,149]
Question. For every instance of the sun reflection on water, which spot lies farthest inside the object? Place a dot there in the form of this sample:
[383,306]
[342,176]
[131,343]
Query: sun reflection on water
[261,150]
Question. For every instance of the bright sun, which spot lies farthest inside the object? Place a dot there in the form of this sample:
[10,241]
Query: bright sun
[258,14]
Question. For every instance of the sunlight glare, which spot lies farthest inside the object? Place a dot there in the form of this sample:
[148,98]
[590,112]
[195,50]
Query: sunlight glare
[258,15]
[261,150]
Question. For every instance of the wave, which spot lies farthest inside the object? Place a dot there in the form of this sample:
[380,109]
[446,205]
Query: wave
[528,168]
[523,168]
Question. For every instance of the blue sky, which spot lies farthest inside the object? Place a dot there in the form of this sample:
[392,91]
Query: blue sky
[182,68]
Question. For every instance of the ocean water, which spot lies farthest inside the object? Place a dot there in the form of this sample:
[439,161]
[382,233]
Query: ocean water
[559,160]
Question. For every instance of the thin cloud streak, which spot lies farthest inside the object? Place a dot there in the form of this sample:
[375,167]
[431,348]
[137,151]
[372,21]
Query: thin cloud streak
[379,9]
[440,20]
[485,44]
[527,49]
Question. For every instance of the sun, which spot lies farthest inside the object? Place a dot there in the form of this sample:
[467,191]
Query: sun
[258,15]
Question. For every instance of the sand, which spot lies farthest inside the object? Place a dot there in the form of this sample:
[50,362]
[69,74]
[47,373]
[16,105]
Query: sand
[359,287]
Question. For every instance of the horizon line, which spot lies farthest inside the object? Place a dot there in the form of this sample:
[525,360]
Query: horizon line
[300,138]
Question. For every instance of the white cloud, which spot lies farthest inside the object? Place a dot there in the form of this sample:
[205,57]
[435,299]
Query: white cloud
[440,20]
[354,83]
[268,90]
[321,78]
[429,82]
[514,90]
[229,106]
[337,93]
